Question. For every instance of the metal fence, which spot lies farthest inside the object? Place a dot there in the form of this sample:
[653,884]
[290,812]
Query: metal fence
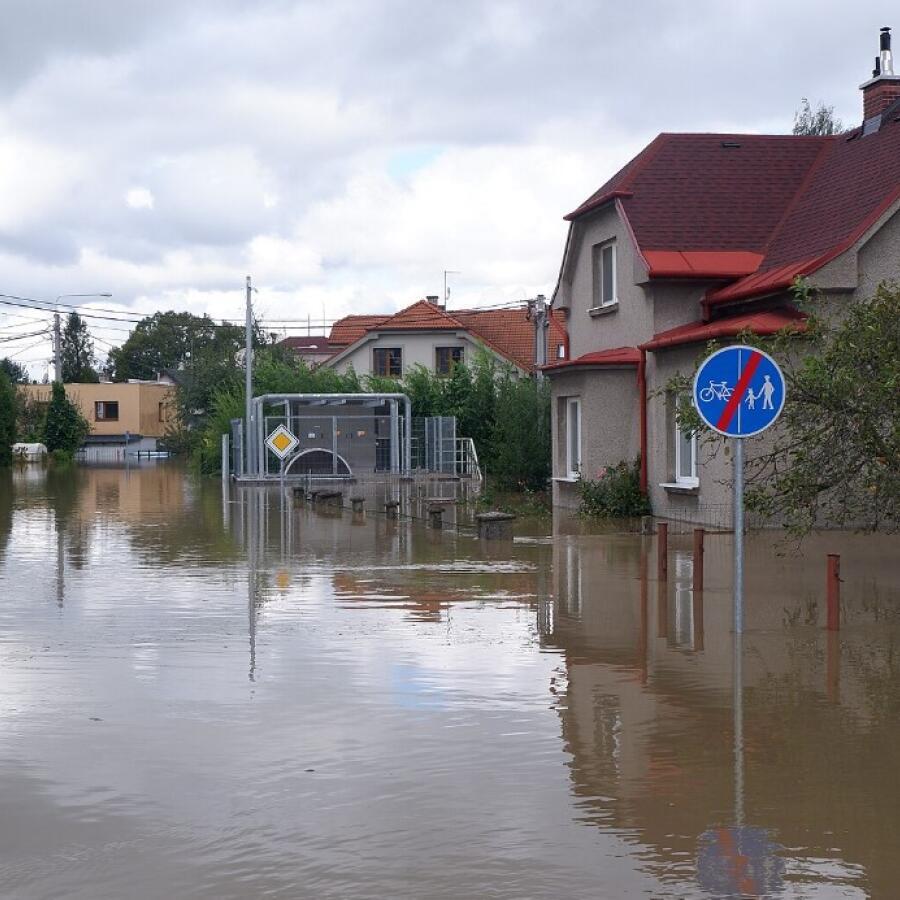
[348,439]
[337,445]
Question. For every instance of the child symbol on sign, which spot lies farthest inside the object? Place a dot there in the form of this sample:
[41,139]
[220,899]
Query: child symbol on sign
[751,399]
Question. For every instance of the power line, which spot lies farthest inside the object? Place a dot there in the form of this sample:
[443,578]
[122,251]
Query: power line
[25,349]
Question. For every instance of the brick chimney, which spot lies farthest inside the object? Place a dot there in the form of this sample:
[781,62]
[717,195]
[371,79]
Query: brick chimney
[883,88]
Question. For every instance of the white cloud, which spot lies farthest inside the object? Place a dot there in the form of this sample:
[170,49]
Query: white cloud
[345,154]
[139,198]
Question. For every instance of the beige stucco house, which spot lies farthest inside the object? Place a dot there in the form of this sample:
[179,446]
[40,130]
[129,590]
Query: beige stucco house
[699,237]
[141,410]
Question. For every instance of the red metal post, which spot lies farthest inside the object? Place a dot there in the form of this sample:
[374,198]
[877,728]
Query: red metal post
[833,582]
[833,666]
[662,552]
[698,559]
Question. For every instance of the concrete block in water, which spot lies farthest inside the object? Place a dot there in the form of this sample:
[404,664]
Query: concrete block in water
[495,525]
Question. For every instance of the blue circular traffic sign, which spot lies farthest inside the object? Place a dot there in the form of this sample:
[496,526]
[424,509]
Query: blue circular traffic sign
[739,391]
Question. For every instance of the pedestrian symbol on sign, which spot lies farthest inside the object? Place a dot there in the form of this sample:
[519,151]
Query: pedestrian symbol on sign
[729,386]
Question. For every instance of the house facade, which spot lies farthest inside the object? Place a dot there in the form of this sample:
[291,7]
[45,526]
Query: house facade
[701,237]
[425,334]
[142,410]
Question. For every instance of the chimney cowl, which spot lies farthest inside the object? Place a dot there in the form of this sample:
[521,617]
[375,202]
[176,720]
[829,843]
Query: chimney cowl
[883,88]
[886,57]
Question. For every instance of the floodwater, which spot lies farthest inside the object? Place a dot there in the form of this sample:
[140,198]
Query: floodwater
[208,696]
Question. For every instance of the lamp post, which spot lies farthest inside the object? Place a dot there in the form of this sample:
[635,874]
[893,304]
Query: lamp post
[57,336]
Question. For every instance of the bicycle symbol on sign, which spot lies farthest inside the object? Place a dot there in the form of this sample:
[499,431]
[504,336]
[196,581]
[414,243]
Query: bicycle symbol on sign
[717,389]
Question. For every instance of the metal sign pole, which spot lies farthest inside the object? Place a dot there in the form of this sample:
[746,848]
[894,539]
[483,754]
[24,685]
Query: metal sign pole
[738,535]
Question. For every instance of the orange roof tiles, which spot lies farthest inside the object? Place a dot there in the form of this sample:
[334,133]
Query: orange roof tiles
[350,329]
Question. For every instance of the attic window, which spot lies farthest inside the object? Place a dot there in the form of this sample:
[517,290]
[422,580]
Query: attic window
[730,145]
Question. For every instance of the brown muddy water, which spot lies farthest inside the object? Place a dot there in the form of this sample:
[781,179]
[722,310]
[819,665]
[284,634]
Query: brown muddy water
[208,696]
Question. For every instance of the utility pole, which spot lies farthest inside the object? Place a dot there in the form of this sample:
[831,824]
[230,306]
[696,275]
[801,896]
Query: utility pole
[249,430]
[541,317]
[57,349]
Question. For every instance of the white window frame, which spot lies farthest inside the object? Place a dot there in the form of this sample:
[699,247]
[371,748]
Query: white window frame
[597,262]
[692,480]
[573,404]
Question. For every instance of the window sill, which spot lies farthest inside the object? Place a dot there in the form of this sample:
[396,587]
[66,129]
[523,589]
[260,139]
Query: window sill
[672,487]
[566,479]
[595,311]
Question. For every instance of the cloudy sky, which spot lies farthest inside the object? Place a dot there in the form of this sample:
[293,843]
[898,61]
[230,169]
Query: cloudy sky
[345,153]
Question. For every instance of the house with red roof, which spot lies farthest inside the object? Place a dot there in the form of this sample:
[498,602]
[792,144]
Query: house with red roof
[426,334]
[313,349]
[701,236]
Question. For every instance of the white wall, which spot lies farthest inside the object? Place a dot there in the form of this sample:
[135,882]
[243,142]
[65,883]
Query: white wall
[418,349]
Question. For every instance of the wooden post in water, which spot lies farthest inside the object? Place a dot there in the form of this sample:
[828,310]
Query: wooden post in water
[698,559]
[662,552]
[833,587]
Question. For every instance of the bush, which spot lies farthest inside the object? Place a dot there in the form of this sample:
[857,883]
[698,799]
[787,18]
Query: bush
[60,457]
[520,457]
[616,494]
[65,428]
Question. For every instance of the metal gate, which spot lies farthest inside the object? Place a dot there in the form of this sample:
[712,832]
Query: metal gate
[440,444]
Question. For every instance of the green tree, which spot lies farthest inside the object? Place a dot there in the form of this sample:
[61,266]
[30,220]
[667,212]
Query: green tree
[835,460]
[77,352]
[15,372]
[171,340]
[31,416]
[520,457]
[7,419]
[65,428]
[816,121]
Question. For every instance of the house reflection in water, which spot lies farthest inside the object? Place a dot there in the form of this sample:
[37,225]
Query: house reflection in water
[647,716]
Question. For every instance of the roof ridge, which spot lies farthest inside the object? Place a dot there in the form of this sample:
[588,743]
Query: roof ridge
[432,307]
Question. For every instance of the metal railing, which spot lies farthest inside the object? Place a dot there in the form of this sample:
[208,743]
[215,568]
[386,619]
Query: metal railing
[467,459]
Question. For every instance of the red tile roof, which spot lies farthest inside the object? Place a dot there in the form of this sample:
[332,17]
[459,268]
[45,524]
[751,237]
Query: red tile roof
[421,316]
[618,356]
[350,329]
[757,208]
[309,344]
[510,332]
[762,323]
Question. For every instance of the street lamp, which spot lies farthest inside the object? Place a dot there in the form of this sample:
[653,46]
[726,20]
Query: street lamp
[57,337]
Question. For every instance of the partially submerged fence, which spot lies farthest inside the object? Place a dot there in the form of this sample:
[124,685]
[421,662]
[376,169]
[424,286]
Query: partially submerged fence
[348,435]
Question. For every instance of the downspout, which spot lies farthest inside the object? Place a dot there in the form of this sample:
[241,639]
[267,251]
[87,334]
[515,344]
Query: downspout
[642,413]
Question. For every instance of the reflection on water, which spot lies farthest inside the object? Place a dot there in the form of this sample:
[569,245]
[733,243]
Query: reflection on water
[229,696]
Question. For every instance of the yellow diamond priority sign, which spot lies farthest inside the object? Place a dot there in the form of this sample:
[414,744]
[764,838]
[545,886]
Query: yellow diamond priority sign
[281,442]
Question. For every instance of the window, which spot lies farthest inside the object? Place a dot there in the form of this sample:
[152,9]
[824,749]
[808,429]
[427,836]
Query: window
[605,274]
[163,411]
[387,362]
[573,437]
[685,454]
[106,411]
[445,358]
